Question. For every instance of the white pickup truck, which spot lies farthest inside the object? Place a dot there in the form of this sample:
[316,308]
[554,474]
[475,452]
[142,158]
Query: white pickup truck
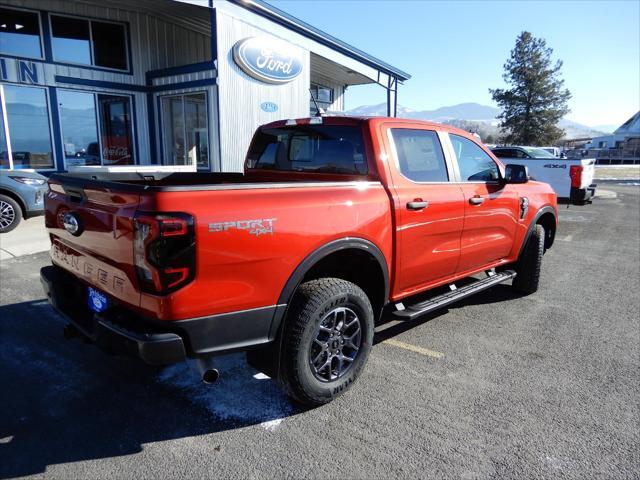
[570,178]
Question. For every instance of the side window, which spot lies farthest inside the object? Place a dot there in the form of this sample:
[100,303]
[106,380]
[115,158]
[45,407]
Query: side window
[20,33]
[475,165]
[420,156]
[502,153]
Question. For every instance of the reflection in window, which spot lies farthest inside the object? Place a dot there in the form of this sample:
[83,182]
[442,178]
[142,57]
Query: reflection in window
[71,40]
[323,96]
[474,163]
[195,110]
[79,128]
[420,156]
[312,148]
[185,129]
[29,132]
[116,131]
[20,33]
[4,151]
[103,44]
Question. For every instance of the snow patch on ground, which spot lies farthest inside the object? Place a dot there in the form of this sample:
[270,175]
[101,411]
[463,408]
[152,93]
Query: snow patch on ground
[240,394]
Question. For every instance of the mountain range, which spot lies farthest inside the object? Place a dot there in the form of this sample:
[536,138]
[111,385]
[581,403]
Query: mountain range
[480,118]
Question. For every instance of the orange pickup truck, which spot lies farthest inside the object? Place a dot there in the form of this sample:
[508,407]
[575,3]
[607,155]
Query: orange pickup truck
[334,222]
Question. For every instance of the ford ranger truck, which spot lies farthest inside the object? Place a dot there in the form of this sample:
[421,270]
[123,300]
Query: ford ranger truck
[333,222]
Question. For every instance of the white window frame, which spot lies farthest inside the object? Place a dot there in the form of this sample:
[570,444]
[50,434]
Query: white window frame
[41,35]
[5,118]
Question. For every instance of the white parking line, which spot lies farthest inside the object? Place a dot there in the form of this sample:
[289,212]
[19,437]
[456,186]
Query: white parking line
[414,348]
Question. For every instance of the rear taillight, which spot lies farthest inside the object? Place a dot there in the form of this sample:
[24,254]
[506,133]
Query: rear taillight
[164,251]
[575,172]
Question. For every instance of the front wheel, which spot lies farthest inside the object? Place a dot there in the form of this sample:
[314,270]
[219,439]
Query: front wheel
[10,214]
[530,262]
[327,339]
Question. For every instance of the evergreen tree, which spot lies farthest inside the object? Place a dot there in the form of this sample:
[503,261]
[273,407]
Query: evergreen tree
[536,100]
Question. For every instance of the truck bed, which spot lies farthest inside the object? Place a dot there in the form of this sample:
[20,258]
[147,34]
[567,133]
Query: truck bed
[170,181]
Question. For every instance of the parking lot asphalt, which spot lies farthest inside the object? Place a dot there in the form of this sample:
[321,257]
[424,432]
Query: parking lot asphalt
[497,386]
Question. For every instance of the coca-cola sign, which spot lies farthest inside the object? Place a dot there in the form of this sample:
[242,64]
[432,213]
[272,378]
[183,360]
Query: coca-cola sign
[267,60]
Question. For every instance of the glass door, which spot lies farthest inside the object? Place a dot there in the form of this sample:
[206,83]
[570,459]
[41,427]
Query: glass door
[96,128]
[186,129]
[116,130]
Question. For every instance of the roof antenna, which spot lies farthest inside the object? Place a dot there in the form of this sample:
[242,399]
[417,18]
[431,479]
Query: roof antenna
[319,111]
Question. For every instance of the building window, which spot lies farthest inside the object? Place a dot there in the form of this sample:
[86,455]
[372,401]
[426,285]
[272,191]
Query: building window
[109,45]
[185,130]
[20,33]
[71,40]
[26,113]
[323,96]
[89,42]
[96,128]
[79,125]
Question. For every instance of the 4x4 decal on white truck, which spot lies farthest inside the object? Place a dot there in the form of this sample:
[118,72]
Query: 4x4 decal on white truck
[256,227]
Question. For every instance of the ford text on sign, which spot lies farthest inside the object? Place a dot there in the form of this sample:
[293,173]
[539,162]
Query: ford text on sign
[267,60]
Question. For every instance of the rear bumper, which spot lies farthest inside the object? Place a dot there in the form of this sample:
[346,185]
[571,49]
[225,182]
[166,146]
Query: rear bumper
[118,330]
[33,213]
[582,195]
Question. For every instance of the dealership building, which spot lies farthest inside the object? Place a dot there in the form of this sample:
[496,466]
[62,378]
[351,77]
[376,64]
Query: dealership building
[166,82]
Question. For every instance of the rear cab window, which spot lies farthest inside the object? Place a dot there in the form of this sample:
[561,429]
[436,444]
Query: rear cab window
[533,152]
[419,154]
[309,148]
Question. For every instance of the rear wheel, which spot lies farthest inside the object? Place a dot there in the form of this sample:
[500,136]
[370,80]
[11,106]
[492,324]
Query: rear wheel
[530,262]
[10,214]
[327,339]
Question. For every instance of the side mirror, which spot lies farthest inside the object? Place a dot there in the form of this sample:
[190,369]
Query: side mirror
[516,173]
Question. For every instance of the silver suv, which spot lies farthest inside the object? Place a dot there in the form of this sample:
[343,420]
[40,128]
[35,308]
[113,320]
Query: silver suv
[21,196]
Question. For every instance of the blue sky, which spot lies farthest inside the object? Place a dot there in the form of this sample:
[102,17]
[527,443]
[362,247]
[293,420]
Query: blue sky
[455,50]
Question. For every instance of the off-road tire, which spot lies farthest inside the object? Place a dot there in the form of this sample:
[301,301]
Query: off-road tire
[313,302]
[8,206]
[529,263]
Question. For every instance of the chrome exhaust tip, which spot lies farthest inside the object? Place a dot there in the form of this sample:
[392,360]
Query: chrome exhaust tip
[210,376]
[208,372]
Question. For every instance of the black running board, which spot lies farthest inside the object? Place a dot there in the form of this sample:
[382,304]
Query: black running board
[418,309]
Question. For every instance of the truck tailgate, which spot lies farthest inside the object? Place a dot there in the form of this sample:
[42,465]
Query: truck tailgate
[588,172]
[100,252]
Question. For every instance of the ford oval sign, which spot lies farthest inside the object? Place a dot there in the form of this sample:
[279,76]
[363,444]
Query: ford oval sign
[267,60]
[269,107]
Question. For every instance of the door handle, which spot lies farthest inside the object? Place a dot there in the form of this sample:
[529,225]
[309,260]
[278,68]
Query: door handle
[477,200]
[417,205]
